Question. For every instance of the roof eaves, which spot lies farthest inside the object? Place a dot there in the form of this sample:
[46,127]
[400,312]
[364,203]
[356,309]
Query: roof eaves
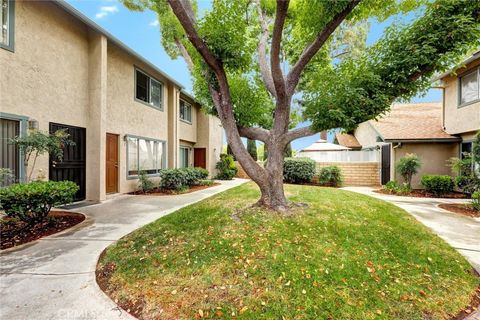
[77,14]
[452,139]
[475,56]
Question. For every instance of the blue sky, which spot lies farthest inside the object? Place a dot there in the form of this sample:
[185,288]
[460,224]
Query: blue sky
[140,31]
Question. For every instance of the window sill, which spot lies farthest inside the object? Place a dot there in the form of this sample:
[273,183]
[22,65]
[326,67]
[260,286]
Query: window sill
[186,121]
[153,175]
[466,104]
[8,48]
[149,105]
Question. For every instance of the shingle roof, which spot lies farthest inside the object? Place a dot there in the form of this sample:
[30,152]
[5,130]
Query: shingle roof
[416,121]
[347,140]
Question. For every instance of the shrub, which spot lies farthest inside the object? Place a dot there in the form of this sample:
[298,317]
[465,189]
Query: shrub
[437,184]
[6,177]
[330,176]
[206,182]
[476,200]
[226,167]
[145,184]
[467,184]
[180,179]
[31,202]
[173,179]
[391,186]
[298,170]
[194,175]
[396,188]
[408,166]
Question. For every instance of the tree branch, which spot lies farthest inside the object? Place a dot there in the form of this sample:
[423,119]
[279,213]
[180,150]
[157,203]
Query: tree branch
[184,53]
[277,74]
[254,133]
[262,51]
[299,133]
[309,52]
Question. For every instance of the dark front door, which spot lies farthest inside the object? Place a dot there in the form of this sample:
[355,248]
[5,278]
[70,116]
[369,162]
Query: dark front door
[72,167]
[385,163]
[111,170]
[9,153]
[200,157]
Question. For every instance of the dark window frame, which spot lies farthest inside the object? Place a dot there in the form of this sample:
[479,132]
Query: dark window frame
[11,28]
[148,89]
[190,107]
[467,73]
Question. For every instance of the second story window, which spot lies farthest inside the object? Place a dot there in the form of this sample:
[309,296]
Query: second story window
[148,90]
[7,23]
[185,111]
[469,87]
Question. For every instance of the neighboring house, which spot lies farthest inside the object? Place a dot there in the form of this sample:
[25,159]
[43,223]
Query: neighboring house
[62,71]
[461,101]
[321,150]
[408,128]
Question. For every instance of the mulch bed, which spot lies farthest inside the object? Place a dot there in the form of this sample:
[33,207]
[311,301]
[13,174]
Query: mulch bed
[417,193]
[474,304]
[14,232]
[461,208]
[162,192]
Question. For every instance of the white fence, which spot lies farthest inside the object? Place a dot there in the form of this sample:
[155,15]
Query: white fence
[342,156]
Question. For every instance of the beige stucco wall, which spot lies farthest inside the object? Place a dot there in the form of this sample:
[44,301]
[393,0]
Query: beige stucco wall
[434,158]
[46,77]
[366,135]
[127,116]
[64,72]
[460,119]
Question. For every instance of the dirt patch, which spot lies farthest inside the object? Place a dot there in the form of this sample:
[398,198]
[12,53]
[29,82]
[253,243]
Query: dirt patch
[417,193]
[162,192]
[14,232]
[461,208]
[472,307]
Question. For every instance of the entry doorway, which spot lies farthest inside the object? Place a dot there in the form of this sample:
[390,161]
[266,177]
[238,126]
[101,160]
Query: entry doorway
[200,157]
[386,158]
[111,170]
[73,165]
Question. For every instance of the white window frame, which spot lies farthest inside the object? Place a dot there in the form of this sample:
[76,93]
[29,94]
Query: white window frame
[460,103]
[10,26]
[189,152]
[187,107]
[150,80]
[155,141]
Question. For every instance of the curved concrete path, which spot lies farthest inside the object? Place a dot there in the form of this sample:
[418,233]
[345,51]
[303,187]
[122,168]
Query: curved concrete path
[54,278]
[461,232]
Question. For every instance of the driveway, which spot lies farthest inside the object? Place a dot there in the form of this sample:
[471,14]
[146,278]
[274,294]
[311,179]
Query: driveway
[462,233]
[54,278]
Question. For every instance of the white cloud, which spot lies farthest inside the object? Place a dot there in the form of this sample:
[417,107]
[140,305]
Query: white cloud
[105,11]
[154,23]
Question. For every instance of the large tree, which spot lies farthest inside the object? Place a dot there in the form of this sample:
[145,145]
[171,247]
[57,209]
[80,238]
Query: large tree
[259,63]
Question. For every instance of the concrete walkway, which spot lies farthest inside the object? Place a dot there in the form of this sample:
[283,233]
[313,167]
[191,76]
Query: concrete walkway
[54,278]
[461,232]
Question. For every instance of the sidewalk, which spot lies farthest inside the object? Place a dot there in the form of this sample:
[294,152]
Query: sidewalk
[54,278]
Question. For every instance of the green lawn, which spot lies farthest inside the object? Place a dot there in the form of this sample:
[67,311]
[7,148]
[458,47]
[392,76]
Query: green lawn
[347,256]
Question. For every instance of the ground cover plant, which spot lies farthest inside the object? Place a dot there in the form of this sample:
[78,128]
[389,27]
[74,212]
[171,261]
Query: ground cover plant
[348,256]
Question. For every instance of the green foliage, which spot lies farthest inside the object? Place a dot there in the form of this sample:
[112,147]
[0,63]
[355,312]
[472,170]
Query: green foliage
[252,149]
[298,170]
[37,143]
[31,202]
[437,184]
[396,188]
[330,176]
[467,183]
[226,168]
[476,200]
[408,166]
[145,183]
[6,177]
[288,151]
[398,66]
[181,179]
[230,152]
[476,153]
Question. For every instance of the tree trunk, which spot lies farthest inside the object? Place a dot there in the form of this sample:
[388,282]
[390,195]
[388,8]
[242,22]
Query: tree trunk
[273,195]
